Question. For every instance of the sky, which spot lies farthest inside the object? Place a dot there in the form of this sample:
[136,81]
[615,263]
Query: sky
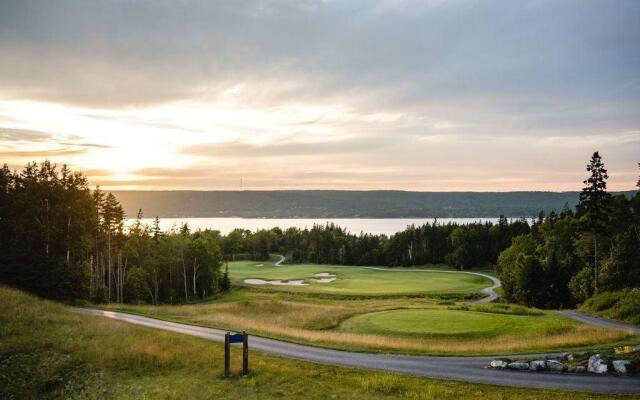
[432,95]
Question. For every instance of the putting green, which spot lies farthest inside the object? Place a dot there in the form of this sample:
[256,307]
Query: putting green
[357,280]
[440,323]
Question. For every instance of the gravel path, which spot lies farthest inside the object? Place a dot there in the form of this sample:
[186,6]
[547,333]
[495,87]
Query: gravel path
[467,369]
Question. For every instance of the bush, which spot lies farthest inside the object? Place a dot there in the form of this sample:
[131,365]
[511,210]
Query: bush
[623,305]
[581,285]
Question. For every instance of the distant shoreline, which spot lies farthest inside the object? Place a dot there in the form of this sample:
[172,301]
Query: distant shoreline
[336,204]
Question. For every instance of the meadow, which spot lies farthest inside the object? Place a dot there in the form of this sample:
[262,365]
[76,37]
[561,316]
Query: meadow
[48,352]
[420,324]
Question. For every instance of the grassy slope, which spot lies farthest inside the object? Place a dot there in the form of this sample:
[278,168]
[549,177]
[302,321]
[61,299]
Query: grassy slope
[308,319]
[622,305]
[47,352]
[359,281]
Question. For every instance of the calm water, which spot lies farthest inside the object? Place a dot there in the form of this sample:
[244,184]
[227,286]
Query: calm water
[354,225]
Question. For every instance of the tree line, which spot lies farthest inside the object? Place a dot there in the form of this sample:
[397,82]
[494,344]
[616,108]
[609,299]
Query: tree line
[568,258]
[61,240]
[462,246]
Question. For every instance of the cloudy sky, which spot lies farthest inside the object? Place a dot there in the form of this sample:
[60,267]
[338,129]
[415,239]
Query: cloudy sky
[416,95]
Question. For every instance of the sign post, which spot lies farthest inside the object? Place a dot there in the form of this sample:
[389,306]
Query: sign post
[227,349]
[245,353]
[236,338]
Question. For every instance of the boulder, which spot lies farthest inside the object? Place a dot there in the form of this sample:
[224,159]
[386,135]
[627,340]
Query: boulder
[521,366]
[620,366]
[556,358]
[555,366]
[580,369]
[597,365]
[500,363]
[568,356]
[537,365]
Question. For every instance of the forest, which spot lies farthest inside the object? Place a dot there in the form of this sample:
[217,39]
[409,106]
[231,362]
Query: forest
[62,240]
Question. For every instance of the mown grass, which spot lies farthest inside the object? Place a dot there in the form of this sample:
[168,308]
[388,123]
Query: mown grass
[359,281]
[47,352]
[316,321]
[622,305]
[461,324]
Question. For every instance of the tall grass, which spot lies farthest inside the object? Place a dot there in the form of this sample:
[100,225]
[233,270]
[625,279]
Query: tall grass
[47,352]
[314,322]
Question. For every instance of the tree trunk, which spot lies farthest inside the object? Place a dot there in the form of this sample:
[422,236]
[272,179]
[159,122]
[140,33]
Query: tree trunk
[109,265]
[195,270]
[595,263]
[184,275]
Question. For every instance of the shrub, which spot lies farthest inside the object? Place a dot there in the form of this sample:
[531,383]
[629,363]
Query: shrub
[622,305]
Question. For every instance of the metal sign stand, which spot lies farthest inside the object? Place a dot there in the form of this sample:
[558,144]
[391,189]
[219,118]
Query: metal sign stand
[236,338]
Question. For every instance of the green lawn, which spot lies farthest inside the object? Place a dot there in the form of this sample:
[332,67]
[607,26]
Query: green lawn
[443,323]
[357,280]
[48,352]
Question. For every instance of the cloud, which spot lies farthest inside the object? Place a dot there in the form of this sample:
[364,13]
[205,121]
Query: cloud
[10,134]
[42,154]
[390,93]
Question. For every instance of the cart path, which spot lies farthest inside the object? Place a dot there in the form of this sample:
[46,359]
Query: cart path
[467,369]
[599,321]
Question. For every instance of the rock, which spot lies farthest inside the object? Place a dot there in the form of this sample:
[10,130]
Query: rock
[580,369]
[597,365]
[500,363]
[556,358]
[519,365]
[568,356]
[555,366]
[620,366]
[537,365]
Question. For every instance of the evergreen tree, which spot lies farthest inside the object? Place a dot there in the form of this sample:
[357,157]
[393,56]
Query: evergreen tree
[594,206]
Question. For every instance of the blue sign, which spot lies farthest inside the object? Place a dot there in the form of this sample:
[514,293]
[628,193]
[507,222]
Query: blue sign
[236,338]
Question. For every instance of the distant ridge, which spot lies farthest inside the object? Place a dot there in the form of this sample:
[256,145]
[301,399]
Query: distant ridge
[343,204]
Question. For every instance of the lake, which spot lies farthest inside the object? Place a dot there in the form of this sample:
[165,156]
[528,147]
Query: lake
[387,226]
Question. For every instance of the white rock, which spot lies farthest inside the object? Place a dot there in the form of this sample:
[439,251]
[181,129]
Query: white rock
[555,366]
[537,365]
[519,365]
[621,366]
[597,365]
[499,363]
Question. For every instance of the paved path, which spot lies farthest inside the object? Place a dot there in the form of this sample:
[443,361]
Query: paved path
[467,369]
[599,321]
[279,262]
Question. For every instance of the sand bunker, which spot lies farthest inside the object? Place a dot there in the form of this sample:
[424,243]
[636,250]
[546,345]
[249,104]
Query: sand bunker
[259,265]
[324,277]
[295,282]
[324,280]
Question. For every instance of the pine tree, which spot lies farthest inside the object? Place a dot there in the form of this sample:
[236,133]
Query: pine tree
[594,206]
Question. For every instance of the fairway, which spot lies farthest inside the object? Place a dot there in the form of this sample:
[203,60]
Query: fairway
[357,280]
[443,323]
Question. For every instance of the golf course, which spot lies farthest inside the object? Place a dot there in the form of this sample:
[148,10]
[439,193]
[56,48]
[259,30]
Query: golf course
[356,281]
[429,311]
